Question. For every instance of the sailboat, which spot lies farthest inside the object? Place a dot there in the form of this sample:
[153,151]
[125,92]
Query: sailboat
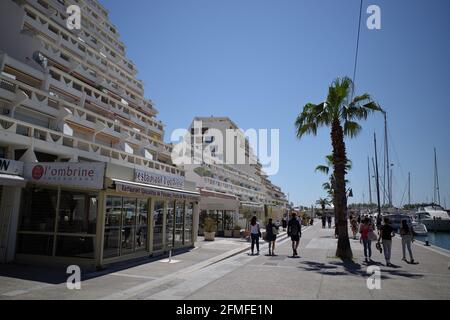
[434,217]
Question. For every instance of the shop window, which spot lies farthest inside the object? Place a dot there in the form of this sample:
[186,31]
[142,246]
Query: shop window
[158,215]
[179,223]
[188,223]
[129,225]
[38,210]
[80,247]
[141,225]
[170,224]
[37,244]
[77,213]
[112,227]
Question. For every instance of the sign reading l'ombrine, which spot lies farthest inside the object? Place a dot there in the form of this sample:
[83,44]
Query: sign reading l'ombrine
[83,174]
[158,179]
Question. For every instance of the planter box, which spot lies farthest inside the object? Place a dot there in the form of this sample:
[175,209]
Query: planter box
[228,233]
[236,233]
[209,236]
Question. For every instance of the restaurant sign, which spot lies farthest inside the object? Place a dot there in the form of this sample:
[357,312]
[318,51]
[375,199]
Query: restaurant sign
[84,174]
[148,191]
[11,167]
[158,179]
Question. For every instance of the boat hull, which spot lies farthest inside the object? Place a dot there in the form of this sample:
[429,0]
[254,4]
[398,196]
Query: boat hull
[437,225]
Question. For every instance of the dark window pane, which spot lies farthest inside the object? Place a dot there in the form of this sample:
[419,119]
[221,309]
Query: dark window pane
[170,218]
[179,221]
[141,225]
[188,221]
[81,247]
[158,215]
[77,213]
[129,224]
[112,226]
[38,210]
[35,244]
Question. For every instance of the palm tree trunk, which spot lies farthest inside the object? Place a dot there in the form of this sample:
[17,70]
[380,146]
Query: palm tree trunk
[344,250]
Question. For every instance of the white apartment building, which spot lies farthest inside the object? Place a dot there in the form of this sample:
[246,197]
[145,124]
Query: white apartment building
[230,188]
[85,174]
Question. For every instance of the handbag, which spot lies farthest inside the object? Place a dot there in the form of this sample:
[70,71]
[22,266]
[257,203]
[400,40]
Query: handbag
[372,236]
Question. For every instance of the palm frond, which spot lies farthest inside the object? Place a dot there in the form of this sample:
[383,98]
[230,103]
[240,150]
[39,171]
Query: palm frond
[323,169]
[352,129]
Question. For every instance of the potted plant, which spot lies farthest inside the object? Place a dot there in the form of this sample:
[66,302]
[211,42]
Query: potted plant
[228,222]
[209,229]
[237,231]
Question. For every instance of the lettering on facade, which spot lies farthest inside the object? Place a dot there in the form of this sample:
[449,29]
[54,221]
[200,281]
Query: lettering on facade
[156,193]
[158,179]
[11,167]
[74,174]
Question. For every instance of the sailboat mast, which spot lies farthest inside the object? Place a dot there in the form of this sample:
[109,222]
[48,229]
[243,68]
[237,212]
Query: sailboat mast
[370,185]
[376,173]
[387,164]
[437,195]
[409,188]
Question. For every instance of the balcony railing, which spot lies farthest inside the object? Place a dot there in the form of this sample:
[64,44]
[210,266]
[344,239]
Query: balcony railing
[53,106]
[53,140]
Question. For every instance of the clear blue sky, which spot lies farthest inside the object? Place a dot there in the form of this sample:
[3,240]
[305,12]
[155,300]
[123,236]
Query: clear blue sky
[259,61]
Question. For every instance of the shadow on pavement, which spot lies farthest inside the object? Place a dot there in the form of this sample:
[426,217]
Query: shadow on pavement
[349,267]
[53,274]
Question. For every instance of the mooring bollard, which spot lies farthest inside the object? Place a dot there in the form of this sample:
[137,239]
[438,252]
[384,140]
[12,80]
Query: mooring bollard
[427,243]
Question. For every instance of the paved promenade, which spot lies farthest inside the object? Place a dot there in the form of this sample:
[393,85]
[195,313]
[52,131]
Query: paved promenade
[223,270]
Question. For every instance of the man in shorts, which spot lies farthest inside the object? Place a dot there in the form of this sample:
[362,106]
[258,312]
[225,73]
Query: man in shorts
[295,232]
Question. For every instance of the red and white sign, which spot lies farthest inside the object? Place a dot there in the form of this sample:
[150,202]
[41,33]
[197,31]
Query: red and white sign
[85,174]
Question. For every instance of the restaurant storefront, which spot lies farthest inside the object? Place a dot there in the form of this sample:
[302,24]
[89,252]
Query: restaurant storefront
[94,214]
[11,183]
[223,208]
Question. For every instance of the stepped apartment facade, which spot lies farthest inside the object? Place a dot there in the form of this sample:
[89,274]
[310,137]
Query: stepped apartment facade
[231,193]
[85,175]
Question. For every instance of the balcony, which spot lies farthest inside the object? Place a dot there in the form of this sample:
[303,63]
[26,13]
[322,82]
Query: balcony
[58,142]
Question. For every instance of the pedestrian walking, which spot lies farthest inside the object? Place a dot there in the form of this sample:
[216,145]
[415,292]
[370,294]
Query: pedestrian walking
[324,221]
[366,229]
[354,225]
[271,236]
[407,234]
[329,219]
[255,234]
[295,232]
[386,234]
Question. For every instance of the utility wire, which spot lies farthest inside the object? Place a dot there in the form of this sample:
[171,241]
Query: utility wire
[357,48]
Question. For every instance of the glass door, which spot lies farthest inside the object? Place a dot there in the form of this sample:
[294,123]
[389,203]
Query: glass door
[141,225]
[158,216]
[179,223]
[170,230]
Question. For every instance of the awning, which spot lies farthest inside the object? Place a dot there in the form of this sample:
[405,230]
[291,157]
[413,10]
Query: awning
[154,190]
[12,180]
[253,205]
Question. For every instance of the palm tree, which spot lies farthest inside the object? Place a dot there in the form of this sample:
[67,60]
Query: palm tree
[323,203]
[328,186]
[340,115]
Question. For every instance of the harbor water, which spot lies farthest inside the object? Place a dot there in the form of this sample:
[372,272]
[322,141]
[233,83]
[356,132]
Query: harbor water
[438,239]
